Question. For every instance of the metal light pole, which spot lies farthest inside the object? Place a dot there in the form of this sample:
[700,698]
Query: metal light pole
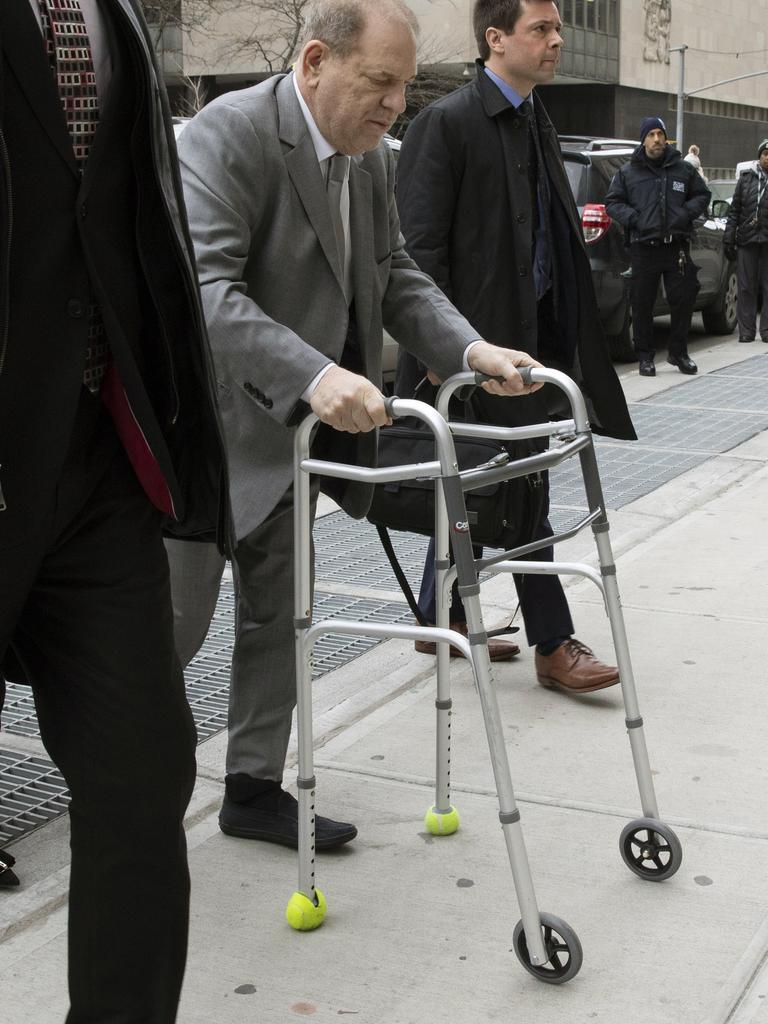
[680,94]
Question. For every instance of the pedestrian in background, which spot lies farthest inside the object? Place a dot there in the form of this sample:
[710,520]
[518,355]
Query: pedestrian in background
[692,158]
[746,241]
[656,196]
[107,432]
[517,268]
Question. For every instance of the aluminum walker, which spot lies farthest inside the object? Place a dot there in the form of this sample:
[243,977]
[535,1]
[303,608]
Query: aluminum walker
[545,945]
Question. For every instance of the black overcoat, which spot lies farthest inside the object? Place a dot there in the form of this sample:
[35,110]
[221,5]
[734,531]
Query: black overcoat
[747,222]
[465,206]
[119,233]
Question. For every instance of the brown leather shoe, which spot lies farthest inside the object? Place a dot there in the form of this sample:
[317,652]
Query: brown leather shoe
[574,668]
[498,649]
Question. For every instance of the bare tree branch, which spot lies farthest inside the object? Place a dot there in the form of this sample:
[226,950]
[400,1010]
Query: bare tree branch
[272,41]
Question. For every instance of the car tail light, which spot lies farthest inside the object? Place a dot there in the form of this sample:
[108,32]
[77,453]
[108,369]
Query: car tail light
[594,222]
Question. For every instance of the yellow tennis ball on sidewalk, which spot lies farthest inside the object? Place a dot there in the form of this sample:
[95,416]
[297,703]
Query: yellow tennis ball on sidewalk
[302,914]
[442,823]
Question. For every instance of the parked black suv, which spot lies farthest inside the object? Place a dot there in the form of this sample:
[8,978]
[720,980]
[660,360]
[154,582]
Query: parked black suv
[590,164]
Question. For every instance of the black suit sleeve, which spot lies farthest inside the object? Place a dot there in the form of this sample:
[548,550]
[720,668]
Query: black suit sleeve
[617,204]
[427,186]
[734,215]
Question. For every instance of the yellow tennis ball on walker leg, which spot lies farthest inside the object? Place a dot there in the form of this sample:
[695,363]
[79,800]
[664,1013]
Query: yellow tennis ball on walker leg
[302,914]
[442,823]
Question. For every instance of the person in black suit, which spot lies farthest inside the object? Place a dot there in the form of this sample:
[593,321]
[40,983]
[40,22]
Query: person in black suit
[107,432]
[487,211]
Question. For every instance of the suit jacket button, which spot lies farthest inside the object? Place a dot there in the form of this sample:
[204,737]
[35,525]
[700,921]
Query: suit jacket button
[75,309]
[522,271]
[521,218]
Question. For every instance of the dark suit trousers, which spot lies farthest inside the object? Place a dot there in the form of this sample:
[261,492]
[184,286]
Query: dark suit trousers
[85,604]
[542,601]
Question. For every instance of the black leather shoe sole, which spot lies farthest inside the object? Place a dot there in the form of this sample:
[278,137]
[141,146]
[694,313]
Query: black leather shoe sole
[281,826]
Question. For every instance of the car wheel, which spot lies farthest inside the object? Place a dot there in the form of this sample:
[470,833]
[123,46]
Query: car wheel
[720,317]
[620,345]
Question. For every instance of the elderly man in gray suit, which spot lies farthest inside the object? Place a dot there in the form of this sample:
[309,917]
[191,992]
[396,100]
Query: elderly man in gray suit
[301,263]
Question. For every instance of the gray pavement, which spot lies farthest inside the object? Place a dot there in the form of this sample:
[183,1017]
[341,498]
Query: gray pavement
[420,928]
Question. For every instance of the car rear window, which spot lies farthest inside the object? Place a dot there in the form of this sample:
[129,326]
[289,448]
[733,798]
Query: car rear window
[577,176]
[589,181]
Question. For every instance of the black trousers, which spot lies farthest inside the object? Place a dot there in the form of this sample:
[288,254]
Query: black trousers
[752,268]
[85,605]
[542,600]
[681,282]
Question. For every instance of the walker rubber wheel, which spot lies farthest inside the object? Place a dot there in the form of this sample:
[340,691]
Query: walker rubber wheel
[302,914]
[564,953]
[442,823]
[650,849]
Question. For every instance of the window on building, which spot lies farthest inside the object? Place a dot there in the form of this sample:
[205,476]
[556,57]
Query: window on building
[596,15]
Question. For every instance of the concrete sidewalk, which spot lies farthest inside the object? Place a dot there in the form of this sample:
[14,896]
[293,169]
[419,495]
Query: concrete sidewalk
[420,928]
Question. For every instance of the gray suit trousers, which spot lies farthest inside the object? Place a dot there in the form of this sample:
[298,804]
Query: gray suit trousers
[262,692]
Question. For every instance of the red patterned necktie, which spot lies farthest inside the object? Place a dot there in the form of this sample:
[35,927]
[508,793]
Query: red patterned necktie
[69,53]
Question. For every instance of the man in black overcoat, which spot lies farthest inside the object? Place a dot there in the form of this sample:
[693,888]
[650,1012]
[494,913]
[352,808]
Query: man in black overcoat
[107,432]
[487,211]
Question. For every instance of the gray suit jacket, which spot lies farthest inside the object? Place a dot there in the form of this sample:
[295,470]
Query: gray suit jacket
[272,285]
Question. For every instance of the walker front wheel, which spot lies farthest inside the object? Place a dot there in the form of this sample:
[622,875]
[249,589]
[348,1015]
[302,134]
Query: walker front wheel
[650,849]
[564,953]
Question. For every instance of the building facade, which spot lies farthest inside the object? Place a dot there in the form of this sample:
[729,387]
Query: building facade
[620,62]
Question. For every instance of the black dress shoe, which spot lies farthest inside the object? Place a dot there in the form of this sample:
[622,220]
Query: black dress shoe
[276,820]
[684,364]
[8,878]
[647,368]
[745,341]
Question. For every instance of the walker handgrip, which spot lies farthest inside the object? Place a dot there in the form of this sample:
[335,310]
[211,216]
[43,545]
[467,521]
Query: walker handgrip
[524,371]
[481,378]
[389,406]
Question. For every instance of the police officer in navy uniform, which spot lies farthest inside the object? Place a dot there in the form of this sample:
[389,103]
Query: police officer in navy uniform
[657,197]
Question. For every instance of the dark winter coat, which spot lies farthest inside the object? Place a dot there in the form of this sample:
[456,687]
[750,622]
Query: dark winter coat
[465,206]
[652,202]
[747,222]
[120,231]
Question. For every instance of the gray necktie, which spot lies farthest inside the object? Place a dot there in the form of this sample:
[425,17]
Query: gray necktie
[337,173]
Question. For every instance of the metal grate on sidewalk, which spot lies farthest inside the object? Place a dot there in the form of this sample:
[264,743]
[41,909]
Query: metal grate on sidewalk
[32,792]
[678,429]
